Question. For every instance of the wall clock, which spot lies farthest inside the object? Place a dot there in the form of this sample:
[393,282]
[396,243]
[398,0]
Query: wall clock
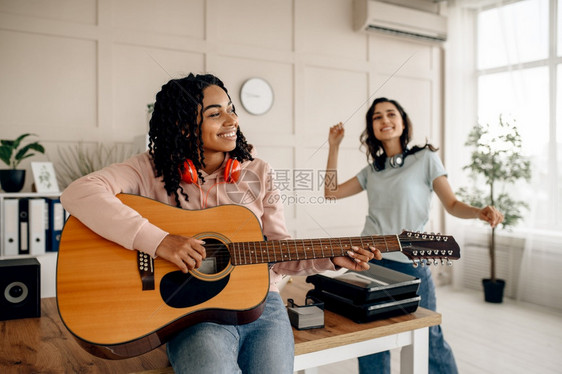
[256,96]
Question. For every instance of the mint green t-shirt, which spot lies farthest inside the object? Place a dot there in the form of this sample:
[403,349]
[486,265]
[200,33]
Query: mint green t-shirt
[400,198]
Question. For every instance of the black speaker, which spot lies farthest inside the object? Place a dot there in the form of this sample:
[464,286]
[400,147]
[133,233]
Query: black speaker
[20,288]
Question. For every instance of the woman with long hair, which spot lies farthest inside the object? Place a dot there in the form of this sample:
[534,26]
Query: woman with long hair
[399,181]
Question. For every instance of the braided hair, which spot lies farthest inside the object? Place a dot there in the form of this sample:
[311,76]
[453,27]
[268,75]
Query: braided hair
[374,148]
[175,131]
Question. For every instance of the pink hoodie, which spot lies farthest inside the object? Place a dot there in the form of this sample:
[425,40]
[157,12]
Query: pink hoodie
[92,200]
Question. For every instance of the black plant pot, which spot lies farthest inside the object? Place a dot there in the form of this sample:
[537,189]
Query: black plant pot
[12,180]
[493,291]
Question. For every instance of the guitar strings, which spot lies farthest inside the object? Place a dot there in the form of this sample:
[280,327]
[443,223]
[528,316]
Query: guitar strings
[294,248]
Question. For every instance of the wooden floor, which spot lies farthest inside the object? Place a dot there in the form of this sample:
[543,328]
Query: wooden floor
[486,338]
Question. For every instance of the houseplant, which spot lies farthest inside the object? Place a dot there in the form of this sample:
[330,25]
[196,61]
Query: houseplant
[82,159]
[12,152]
[496,163]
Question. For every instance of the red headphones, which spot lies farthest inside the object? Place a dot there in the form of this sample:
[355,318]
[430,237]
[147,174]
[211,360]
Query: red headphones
[231,171]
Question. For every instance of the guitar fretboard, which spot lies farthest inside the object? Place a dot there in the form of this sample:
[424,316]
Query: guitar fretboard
[259,252]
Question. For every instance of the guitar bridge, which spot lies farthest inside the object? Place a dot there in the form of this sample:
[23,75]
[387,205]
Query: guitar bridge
[145,264]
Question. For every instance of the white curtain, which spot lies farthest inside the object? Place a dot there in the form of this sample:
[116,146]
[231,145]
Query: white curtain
[527,92]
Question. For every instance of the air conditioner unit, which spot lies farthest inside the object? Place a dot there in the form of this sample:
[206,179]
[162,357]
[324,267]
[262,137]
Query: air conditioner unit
[371,15]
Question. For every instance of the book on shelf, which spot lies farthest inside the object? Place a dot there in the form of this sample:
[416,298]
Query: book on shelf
[32,225]
[11,229]
[56,217]
[36,234]
[23,226]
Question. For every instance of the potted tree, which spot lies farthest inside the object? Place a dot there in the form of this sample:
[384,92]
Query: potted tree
[12,152]
[496,163]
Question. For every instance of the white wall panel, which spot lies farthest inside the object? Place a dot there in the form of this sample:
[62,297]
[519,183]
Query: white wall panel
[138,74]
[261,23]
[394,55]
[173,17]
[72,11]
[48,83]
[331,96]
[325,27]
[315,213]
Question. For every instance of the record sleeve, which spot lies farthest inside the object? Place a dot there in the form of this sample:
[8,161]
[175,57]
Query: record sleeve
[367,312]
[369,286]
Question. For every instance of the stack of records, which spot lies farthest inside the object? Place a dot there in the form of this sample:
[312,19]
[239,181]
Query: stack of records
[309,316]
[369,295]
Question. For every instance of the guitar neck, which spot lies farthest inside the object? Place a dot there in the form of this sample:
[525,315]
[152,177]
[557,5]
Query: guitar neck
[247,253]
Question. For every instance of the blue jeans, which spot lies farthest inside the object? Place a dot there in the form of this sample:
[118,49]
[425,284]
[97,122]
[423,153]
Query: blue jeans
[441,359]
[263,346]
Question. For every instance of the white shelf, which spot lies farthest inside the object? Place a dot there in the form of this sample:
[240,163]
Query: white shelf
[12,195]
[48,260]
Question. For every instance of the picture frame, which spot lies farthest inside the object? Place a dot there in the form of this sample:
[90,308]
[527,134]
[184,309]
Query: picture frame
[44,177]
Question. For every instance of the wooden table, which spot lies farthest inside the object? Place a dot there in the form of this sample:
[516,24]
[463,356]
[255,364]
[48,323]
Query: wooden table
[44,345]
[342,339]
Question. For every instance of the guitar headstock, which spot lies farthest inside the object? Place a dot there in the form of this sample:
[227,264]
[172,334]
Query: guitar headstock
[432,247]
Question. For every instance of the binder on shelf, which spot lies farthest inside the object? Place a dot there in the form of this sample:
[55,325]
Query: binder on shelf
[23,226]
[11,222]
[36,212]
[55,223]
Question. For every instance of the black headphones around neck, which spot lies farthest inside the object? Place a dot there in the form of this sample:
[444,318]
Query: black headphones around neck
[397,161]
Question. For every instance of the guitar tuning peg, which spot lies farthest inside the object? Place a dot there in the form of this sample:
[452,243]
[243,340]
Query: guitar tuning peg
[435,262]
[449,262]
[415,264]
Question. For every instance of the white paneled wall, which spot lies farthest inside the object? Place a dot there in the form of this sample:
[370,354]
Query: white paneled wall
[85,71]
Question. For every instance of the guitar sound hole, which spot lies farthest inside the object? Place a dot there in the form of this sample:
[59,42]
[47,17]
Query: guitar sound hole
[217,259]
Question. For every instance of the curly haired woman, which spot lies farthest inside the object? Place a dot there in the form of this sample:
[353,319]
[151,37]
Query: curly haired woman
[194,136]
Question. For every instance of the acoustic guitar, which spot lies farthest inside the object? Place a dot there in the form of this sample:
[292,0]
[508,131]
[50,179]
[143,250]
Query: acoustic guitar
[120,303]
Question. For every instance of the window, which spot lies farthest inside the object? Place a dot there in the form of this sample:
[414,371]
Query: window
[519,75]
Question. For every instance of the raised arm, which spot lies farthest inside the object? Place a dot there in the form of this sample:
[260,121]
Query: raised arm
[459,209]
[331,187]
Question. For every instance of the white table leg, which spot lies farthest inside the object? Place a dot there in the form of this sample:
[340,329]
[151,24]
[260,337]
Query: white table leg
[414,358]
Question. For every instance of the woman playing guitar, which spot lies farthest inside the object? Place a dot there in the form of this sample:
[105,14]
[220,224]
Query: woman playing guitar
[198,158]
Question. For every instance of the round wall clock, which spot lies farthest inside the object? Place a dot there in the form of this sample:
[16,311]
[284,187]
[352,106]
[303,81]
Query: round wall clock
[256,96]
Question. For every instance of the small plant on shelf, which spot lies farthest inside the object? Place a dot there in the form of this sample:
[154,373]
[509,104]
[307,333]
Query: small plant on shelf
[12,153]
